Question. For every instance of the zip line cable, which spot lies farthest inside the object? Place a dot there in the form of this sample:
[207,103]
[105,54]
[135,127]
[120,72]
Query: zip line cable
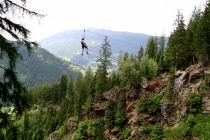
[61,21]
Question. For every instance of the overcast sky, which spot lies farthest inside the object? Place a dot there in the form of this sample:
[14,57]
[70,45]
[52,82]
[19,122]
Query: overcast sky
[142,16]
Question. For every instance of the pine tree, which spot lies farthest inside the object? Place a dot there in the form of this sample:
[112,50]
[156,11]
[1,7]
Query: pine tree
[79,99]
[205,32]
[140,53]
[10,86]
[151,48]
[104,60]
[89,85]
[64,85]
[194,36]
[177,52]
[161,47]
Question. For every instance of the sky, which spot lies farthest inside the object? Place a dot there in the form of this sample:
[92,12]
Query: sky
[153,17]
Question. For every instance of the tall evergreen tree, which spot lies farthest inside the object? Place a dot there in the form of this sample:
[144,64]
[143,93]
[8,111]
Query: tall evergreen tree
[140,53]
[79,99]
[161,47]
[177,52]
[89,85]
[194,36]
[104,60]
[63,85]
[10,86]
[151,48]
[205,31]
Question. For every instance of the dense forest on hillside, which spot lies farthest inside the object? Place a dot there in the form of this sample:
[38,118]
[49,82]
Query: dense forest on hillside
[160,93]
[42,67]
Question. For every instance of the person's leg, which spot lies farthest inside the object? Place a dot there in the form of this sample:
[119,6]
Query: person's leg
[82,50]
[87,50]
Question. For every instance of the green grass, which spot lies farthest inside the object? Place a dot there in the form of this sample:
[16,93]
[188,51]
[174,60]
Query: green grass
[193,127]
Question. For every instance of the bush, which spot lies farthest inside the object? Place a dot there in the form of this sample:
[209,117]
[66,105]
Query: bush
[89,128]
[156,133]
[110,115]
[126,132]
[148,67]
[154,103]
[194,126]
[151,105]
[120,119]
[193,102]
[141,106]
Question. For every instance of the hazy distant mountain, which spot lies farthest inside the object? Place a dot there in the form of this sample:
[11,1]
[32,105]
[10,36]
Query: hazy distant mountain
[43,67]
[67,44]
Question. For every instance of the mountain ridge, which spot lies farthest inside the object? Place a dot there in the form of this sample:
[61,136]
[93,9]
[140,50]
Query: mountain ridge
[67,45]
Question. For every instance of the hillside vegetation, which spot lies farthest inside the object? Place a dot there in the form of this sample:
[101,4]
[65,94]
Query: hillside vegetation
[157,94]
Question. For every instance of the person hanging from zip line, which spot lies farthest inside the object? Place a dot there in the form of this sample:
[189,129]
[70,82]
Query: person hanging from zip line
[84,46]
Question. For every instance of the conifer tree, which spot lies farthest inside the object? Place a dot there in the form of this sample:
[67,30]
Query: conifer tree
[151,48]
[193,35]
[177,52]
[205,32]
[63,85]
[89,85]
[104,60]
[79,99]
[10,86]
[140,53]
[161,47]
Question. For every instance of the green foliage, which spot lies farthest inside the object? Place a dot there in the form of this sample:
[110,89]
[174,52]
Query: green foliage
[120,119]
[140,53]
[194,101]
[110,115]
[152,104]
[151,48]
[10,86]
[148,67]
[194,126]
[156,133]
[104,60]
[121,116]
[177,46]
[129,72]
[126,132]
[90,128]
[141,105]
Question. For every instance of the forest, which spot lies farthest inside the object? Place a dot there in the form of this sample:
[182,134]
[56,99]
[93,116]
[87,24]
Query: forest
[158,93]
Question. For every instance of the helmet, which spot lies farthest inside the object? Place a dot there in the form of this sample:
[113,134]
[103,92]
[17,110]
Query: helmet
[82,38]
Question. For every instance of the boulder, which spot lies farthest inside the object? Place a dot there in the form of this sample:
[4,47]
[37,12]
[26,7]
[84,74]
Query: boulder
[155,84]
[132,93]
[197,73]
[111,94]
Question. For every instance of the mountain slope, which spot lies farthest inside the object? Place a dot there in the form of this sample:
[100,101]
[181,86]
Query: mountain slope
[67,44]
[43,67]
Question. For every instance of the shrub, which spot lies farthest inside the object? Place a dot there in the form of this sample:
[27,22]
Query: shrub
[156,133]
[154,103]
[120,119]
[90,128]
[126,132]
[148,67]
[141,105]
[110,115]
[193,126]
[193,102]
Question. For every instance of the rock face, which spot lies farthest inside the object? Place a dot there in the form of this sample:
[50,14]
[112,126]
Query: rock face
[171,111]
[190,75]
[156,84]
[111,94]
